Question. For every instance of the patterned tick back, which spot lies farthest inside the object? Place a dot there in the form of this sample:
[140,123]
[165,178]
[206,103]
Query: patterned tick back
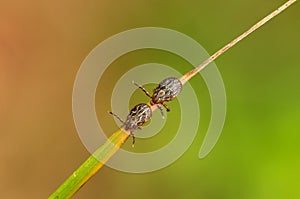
[166,90]
[136,118]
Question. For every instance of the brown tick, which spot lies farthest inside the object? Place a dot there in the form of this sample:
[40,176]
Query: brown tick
[166,91]
[137,116]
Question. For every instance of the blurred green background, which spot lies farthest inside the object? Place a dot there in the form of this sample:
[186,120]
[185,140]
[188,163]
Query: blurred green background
[42,45]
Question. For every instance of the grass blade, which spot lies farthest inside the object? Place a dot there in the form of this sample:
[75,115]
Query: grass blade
[90,166]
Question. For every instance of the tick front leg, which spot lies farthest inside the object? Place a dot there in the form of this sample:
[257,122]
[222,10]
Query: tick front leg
[161,111]
[118,117]
[143,89]
[167,108]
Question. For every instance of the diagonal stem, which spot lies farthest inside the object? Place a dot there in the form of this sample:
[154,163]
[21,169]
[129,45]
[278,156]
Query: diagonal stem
[91,166]
[193,72]
[110,147]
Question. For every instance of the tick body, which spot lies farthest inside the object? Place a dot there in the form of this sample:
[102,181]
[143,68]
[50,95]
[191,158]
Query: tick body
[166,91]
[136,118]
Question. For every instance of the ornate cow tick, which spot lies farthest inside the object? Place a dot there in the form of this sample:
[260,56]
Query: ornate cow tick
[166,91]
[137,116]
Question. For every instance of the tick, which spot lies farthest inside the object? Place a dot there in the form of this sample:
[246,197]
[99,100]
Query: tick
[136,118]
[166,91]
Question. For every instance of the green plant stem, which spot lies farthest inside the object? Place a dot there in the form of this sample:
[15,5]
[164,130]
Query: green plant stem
[90,166]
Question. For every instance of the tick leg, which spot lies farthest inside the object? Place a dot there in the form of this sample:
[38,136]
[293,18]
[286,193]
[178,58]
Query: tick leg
[133,138]
[161,111]
[118,117]
[167,108]
[143,89]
